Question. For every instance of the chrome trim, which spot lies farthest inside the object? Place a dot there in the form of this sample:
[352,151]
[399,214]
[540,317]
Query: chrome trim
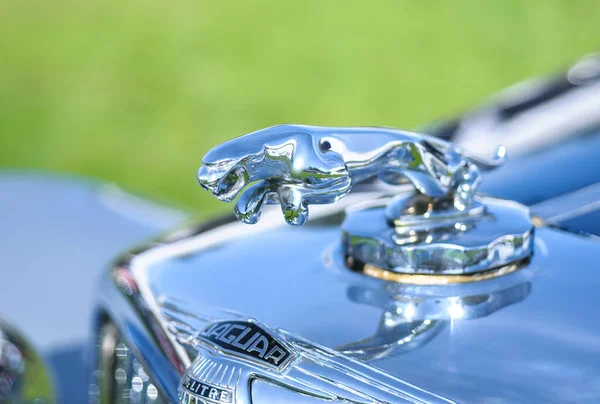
[501,236]
[119,377]
[569,206]
[314,371]
[415,279]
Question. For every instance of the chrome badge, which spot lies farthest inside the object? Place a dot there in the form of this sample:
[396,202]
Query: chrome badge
[191,387]
[238,358]
[249,341]
[216,379]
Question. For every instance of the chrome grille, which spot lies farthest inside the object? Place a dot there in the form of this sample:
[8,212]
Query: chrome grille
[119,377]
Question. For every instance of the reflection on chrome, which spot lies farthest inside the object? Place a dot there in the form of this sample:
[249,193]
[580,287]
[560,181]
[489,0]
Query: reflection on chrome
[440,227]
[395,335]
[12,368]
[409,321]
[297,165]
[24,377]
[306,369]
[119,377]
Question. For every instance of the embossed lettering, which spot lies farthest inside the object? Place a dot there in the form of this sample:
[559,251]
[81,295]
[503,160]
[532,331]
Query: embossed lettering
[238,341]
[228,336]
[247,340]
[214,394]
[276,354]
[207,391]
[217,330]
[260,345]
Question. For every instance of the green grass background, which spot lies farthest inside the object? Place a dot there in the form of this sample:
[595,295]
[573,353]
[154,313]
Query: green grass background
[136,91]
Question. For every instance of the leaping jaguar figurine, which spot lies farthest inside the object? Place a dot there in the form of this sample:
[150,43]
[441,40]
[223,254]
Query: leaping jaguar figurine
[297,165]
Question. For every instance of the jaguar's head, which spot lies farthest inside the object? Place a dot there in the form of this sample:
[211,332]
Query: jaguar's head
[288,164]
[224,179]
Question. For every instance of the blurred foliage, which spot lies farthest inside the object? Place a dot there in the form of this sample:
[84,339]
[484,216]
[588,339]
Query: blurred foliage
[136,91]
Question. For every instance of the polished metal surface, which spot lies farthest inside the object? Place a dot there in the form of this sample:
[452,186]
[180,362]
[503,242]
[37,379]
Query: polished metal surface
[297,166]
[126,297]
[435,337]
[440,228]
[24,377]
[119,378]
[502,234]
[527,327]
[578,211]
[301,367]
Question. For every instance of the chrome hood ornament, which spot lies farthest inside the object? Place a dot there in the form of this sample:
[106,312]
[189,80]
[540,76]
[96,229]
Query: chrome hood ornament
[439,228]
[297,166]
